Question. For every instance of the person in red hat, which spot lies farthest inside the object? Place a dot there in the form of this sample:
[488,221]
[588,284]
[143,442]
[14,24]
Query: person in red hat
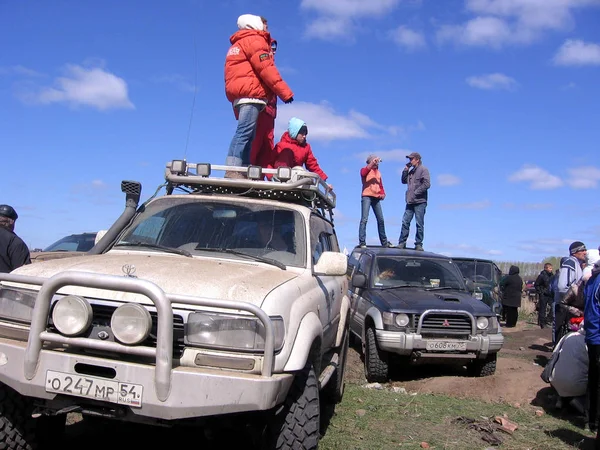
[13,251]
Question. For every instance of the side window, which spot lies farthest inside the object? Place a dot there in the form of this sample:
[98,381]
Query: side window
[321,233]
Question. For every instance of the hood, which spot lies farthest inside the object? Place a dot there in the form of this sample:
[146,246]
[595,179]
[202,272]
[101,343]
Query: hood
[202,277]
[287,139]
[514,270]
[417,300]
[239,35]
[250,22]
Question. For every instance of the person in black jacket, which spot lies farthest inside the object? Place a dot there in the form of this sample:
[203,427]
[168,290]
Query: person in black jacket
[543,290]
[512,288]
[13,251]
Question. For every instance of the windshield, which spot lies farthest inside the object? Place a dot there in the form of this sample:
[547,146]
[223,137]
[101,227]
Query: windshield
[203,227]
[477,271]
[73,243]
[416,272]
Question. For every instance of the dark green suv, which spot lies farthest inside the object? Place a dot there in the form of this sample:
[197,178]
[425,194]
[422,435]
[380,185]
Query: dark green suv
[485,275]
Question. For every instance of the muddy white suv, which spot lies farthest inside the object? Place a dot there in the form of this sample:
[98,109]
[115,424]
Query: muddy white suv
[222,296]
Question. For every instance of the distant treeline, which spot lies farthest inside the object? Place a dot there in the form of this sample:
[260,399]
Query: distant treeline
[528,270]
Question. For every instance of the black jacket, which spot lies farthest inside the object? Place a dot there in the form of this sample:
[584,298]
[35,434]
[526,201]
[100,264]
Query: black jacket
[542,284]
[512,288]
[13,251]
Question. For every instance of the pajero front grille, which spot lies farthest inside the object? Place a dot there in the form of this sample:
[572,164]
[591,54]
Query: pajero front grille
[442,324]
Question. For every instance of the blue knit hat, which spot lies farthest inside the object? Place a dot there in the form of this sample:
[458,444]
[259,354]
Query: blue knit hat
[294,126]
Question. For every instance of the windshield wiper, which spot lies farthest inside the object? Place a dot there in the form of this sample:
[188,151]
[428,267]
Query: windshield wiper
[177,251]
[271,261]
[443,288]
[385,288]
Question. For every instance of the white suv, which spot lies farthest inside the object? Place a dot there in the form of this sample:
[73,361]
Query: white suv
[229,297]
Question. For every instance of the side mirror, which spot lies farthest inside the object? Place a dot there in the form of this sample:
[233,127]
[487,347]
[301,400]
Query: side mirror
[331,264]
[359,280]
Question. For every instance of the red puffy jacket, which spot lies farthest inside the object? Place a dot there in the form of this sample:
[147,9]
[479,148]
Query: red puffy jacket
[289,153]
[250,70]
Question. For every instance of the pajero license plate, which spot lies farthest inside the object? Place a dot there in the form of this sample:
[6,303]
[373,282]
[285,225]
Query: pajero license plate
[95,388]
[442,346]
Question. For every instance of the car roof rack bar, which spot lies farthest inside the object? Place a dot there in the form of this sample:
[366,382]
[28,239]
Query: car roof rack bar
[294,184]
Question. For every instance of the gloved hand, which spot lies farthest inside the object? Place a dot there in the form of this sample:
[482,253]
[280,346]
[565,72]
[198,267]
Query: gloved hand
[289,100]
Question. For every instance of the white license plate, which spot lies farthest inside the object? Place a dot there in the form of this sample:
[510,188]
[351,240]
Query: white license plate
[96,388]
[446,345]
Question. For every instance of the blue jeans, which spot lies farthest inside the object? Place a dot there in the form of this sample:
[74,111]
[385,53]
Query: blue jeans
[366,203]
[416,210]
[239,149]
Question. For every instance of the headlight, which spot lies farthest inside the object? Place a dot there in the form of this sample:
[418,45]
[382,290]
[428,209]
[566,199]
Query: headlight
[402,320]
[131,323]
[72,315]
[482,323]
[231,332]
[17,304]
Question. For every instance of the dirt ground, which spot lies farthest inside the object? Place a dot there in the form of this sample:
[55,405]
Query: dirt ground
[526,350]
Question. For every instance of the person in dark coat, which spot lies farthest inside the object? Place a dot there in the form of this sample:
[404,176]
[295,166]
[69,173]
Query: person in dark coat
[512,289]
[544,292]
[13,251]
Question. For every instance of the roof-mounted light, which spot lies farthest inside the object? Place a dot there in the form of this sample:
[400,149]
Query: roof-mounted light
[284,174]
[178,166]
[203,170]
[255,173]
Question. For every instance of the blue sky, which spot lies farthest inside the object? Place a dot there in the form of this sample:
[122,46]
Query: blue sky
[500,97]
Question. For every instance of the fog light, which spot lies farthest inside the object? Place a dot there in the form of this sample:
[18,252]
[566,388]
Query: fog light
[203,170]
[178,166]
[284,174]
[255,173]
[482,323]
[131,323]
[72,315]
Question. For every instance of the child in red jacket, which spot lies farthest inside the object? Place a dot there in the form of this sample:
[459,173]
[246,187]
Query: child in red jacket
[293,150]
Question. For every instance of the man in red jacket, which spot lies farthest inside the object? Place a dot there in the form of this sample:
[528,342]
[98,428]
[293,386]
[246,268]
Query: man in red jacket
[293,150]
[251,78]
[372,196]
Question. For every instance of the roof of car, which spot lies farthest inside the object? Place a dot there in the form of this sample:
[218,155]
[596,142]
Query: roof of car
[377,250]
[466,258]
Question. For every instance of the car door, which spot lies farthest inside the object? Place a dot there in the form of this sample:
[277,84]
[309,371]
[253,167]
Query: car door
[360,305]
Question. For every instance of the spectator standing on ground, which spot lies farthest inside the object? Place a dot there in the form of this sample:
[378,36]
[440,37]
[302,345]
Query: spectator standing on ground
[373,194]
[512,289]
[251,78]
[542,288]
[591,320]
[570,272]
[416,176]
[13,251]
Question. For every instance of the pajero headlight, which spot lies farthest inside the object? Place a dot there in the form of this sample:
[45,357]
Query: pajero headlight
[482,323]
[487,324]
[398,320]
[231,332]
[17,304]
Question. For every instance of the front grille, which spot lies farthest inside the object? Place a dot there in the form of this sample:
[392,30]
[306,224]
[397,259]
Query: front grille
[101,322]
[444,324]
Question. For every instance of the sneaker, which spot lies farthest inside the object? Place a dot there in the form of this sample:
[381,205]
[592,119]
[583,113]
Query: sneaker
[401,245]
[419,248]
[362,245]
[388,245]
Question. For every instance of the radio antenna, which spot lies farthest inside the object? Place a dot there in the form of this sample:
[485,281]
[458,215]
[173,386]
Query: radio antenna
[187,140]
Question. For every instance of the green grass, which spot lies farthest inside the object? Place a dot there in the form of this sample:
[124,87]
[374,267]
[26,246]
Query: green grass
[404,421]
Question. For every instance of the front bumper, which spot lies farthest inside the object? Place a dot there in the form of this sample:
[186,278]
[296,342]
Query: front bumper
[402,343]
[193,393]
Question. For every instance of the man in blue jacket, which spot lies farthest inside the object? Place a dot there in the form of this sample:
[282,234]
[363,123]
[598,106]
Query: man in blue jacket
[416,176]
[591,320]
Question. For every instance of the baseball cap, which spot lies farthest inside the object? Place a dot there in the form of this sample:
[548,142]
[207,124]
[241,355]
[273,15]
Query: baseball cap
[8,211]
[414,155]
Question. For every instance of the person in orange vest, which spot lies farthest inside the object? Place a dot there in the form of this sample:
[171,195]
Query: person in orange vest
[373,194]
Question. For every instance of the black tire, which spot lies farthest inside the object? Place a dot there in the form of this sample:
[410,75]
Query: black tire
[483,367]
[333,392]
[17,427]
[377,368]
[295,424]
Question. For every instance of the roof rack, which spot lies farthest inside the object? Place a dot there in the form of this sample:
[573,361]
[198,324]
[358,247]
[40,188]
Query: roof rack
[295,185]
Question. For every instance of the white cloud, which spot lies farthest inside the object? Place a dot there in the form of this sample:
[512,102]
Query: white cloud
[496,23]
[492,81]
[396,155]
[537,177]
[529,206]
[447,179]
[408,39]
[458,250]
[575,52]
[20,70]
[82,86]
[338,18]
[483,204]
[325,124]
[179,81]
[584,177]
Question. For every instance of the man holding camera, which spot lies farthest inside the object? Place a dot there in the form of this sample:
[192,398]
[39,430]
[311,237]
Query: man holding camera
[416,176]
[372,196]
